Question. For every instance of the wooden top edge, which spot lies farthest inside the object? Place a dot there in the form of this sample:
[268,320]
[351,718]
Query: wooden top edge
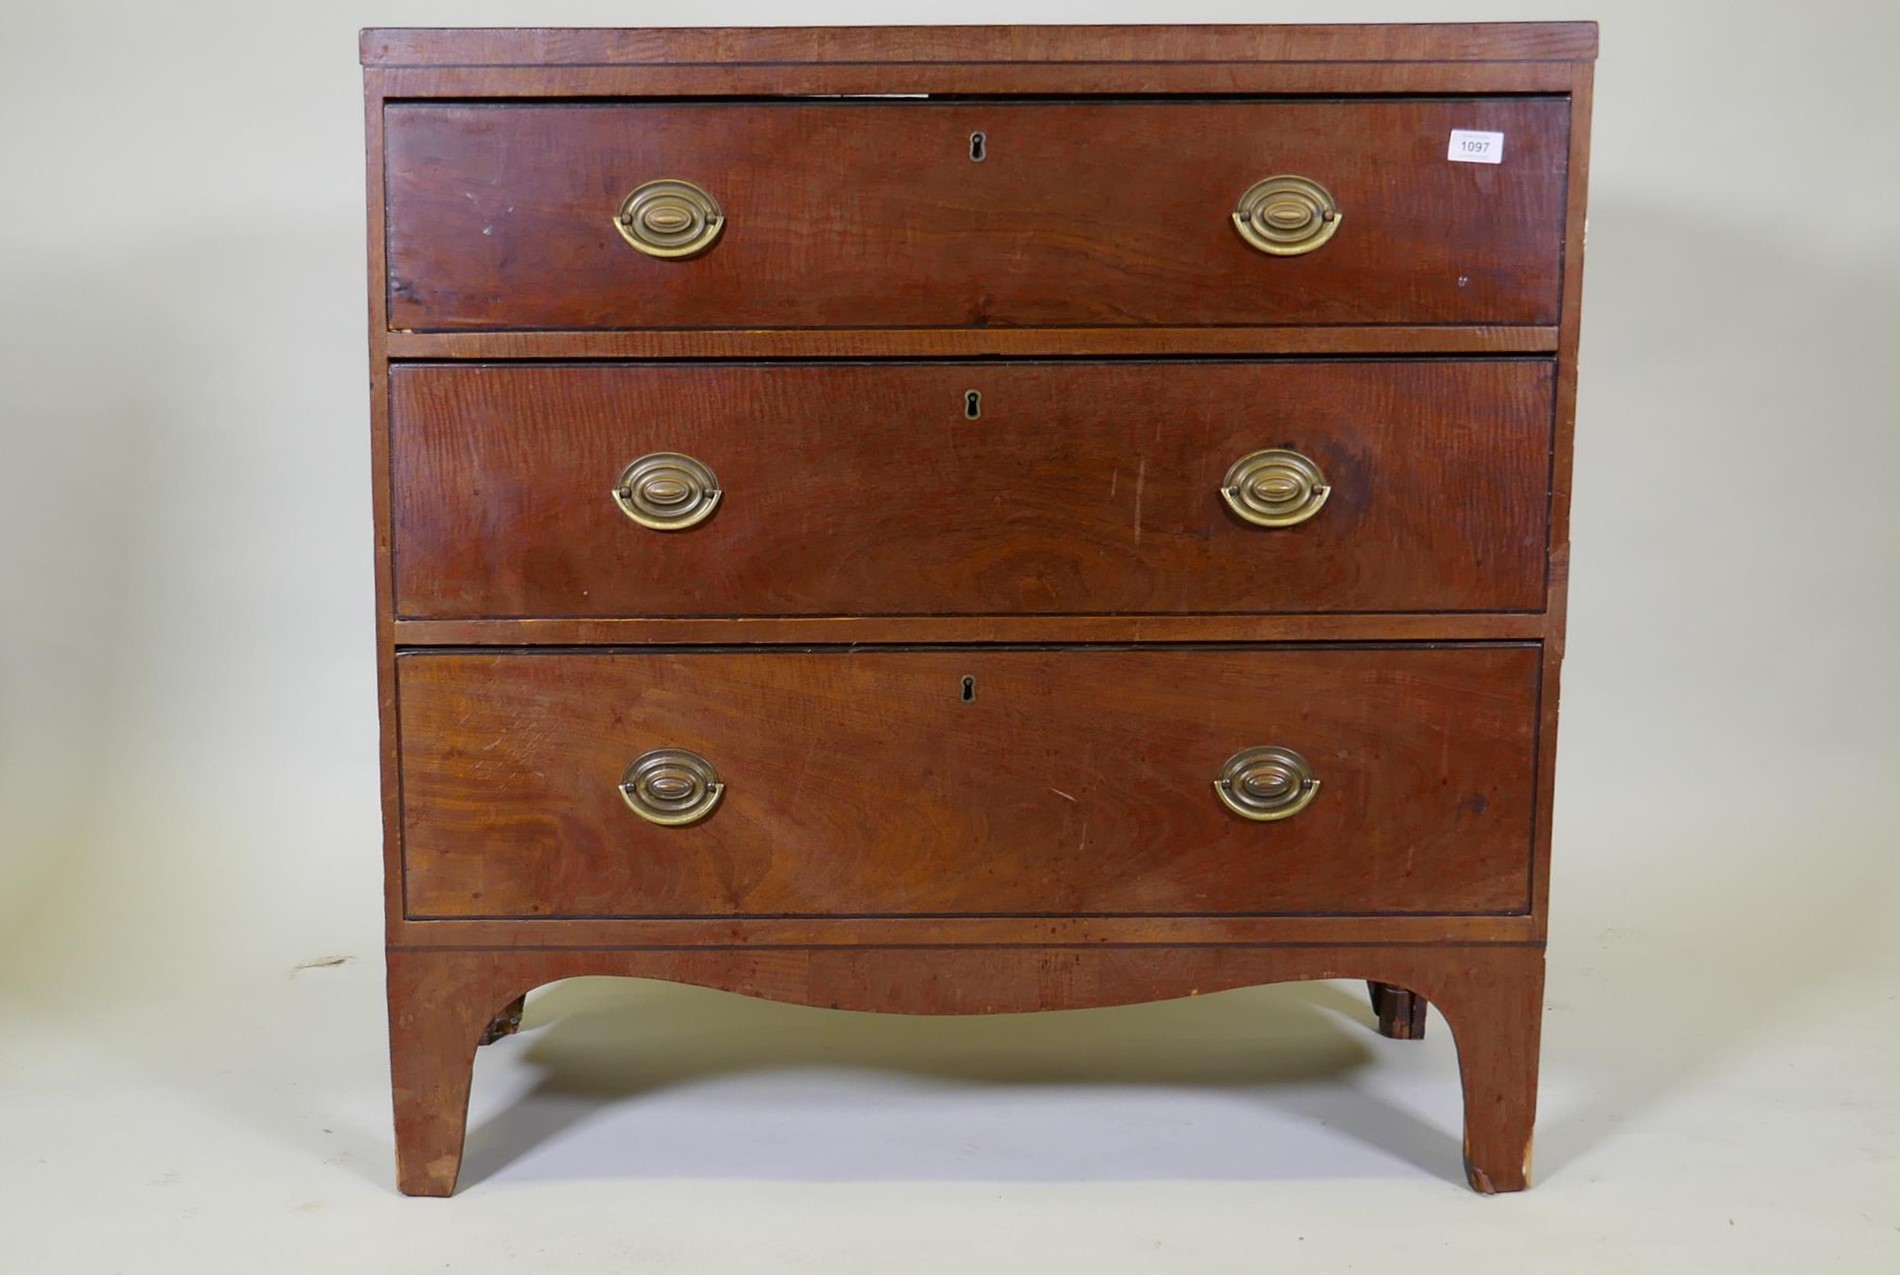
[933,343]
[612,46]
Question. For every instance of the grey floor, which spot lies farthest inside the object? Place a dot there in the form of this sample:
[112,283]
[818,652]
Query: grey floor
[1737,1124]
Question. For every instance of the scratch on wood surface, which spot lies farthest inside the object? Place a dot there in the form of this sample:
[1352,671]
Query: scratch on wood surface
[1065,796]
[1141,476]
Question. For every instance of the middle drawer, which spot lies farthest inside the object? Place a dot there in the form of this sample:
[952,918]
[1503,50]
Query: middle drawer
[938,489]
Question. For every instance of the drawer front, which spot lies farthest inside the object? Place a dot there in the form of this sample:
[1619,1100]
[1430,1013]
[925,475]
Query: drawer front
[876,214]
[1078,487]
[931,782]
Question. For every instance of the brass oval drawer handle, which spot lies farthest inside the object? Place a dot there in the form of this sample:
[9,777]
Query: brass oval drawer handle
[1287,215]
[1275,487]
[670,218]
[1264,784]
[671,787]
[667,491]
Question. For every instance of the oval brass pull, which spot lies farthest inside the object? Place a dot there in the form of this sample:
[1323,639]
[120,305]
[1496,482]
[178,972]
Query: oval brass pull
[671,787]
[1287,215]
[1264,784]
[667,491]
[1275,488]
[670,218]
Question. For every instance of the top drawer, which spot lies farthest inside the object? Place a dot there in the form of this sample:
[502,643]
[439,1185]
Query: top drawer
[897,214]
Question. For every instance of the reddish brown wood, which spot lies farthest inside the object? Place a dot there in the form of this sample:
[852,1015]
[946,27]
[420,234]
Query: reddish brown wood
[1557,602]
[1401,1014]
[930,343]
[389,752]
[439,999]
[979,79]
[539,48]
[1106,275]
[963,931]
[873,214]
[1496,1015]
[911,629]
[438,1009]
[1073,782]
[1081,487]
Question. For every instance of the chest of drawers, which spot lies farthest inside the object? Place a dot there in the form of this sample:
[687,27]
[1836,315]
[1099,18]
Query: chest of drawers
[964,520]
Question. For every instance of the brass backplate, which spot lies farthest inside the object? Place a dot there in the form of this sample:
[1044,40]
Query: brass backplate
[1287,215]
[670,218]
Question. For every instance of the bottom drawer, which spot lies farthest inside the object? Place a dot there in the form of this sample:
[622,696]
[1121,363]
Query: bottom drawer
[939,782]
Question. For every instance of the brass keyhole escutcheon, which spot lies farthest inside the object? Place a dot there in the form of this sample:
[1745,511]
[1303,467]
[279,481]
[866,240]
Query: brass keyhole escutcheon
[1277,487]
[1286,215]
[671,787]
[667,491]
[670,218]
[1267,783]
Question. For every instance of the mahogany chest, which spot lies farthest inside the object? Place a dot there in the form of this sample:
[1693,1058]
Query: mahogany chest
[967,520]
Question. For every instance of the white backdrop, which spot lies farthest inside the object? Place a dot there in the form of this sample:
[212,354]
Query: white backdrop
[187,712]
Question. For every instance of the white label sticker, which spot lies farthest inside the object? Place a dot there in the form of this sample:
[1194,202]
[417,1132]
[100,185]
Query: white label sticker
[1468,146]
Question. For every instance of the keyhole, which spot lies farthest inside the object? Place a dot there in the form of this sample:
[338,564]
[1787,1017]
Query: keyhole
[979,144]
[969,690]
[972,404]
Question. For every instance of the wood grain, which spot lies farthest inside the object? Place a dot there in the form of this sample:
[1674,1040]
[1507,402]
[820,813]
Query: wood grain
[441,999]
[862,783]
[541,48]
[1563,455]
[1097,229]
[865,489]
[389,747]
[795,80]
[963,343]
[872,214]
[964,931]
[1401,1014]
[899,630]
